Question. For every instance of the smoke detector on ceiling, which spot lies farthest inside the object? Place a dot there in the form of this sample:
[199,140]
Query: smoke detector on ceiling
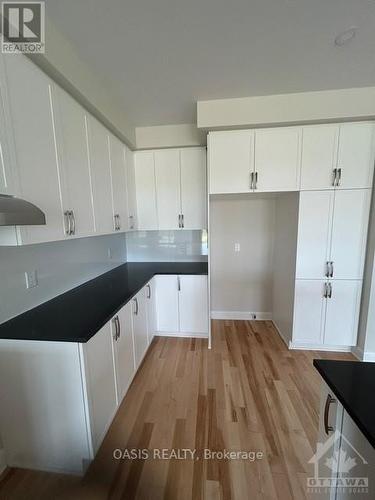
[346,36]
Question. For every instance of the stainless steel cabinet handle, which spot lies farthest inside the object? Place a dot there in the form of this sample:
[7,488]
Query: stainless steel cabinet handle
[178,284]
[149,292]
[331,269]
[119,221]
[182,221]
[339,177]
[256,181]
[131,221]
[252,180]
[327,269]
[68,223]
[330,400]
[119,327]
[73,222]
[329,290]
[116,323]
[334,180]
[179,221]
[115,220]
[136,306]
[325,291]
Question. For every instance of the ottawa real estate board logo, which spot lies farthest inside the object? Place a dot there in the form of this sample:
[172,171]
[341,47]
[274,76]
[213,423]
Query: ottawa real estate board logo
[23,27]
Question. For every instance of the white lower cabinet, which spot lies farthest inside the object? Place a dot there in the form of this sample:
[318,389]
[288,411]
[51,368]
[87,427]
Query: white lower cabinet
[181,305]
[123,350]
[344,457]
[326,313]
[151,309]
[140,332]
[100,383]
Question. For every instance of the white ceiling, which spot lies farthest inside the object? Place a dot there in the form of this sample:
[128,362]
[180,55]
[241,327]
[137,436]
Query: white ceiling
[160,56]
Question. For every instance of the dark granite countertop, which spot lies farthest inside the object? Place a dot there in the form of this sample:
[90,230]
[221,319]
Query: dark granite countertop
[75,316]
[353,383]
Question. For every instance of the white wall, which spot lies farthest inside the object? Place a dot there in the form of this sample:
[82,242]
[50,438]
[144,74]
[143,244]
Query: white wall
[168,136]
[303,107]
[61,265]
[284,263]
[241,282]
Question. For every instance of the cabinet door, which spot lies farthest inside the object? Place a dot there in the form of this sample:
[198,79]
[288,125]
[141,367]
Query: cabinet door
[101,176]
[342,313]
[118,175]
[231,161]
[29,92]
[166,299]
[193,304]
[193,188]
[319,156]
[356,155]
[131,190]
[354,445]
[314,233]
[151,309]
[277,159]
[74,162]
[140,326]
[145,188]
[349,232]
[320,467]
[123,349]
[309,311]
[167,176]
[101,385]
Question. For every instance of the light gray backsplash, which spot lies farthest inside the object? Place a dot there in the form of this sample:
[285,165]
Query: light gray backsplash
[161,246]
[60,265]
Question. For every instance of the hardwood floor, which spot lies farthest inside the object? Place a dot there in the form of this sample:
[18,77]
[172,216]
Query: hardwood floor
[249,394]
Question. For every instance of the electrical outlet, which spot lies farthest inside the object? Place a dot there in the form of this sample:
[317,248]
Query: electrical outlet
[31,278]
[237,247]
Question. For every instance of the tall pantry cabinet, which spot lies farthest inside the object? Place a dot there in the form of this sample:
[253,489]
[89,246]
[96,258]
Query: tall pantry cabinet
[331,166]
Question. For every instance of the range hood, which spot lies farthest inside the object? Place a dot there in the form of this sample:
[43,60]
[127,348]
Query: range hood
[17,212]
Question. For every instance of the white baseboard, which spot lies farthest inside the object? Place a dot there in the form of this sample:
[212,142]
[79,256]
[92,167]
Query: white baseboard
[3,464]
[319,347]
[369,356]
[182,335]
[282,336]
[241,315]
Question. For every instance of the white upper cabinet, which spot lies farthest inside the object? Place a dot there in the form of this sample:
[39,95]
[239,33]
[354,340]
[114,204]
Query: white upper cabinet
[314,234]
[338,156]
[100,176]
[349,233]
[319,156]
[193,188]
[167,175]
[145,189]
[73,165]
[32,120]
[131,190]
[231,161]
[277,159]
[356,155]
[119,189]
[342,312]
